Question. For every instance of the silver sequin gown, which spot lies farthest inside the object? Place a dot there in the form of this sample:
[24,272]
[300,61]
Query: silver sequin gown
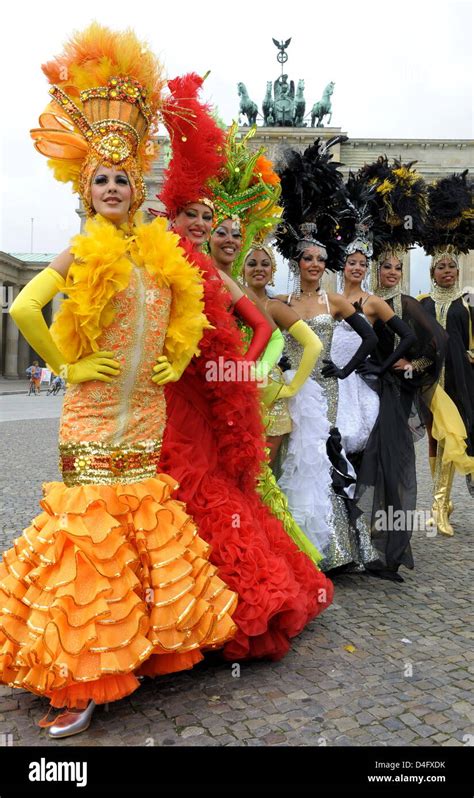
[306,476]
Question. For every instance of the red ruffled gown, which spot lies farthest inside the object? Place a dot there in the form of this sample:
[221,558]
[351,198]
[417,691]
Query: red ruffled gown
[213,446]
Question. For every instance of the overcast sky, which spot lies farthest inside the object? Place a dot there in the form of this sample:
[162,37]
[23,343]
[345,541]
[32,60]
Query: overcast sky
[402,69]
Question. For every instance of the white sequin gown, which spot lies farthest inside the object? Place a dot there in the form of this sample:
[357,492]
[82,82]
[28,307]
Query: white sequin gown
[307,472]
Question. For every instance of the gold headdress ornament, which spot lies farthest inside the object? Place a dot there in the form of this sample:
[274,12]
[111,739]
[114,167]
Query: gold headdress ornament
[440,253]
[106,93]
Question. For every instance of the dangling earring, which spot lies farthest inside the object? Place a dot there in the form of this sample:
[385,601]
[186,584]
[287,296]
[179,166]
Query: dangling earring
[294,279]
[340,282]
[298,283]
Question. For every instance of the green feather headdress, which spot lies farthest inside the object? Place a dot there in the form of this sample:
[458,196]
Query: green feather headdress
[248,190]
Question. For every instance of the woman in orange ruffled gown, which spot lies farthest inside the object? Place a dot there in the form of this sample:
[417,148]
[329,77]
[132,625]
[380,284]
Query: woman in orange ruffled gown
[111,580]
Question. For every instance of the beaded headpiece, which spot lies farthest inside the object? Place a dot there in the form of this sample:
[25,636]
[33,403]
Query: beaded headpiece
[440,253]
[361,243]
[105,94]
[246,191]
[258,246]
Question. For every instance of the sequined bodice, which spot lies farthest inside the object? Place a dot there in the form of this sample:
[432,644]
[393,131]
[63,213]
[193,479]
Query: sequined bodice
[323,325]
[131,408]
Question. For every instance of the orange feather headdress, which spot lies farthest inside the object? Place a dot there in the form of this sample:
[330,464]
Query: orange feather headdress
[106,90]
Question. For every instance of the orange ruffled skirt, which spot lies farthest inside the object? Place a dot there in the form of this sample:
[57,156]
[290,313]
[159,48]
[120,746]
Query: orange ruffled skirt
[108,582]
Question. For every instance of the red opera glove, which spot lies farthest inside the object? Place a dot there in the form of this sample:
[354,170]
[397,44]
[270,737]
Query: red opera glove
[262,330]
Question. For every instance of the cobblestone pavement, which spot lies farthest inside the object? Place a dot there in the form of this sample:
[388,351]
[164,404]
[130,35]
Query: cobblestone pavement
[407,679]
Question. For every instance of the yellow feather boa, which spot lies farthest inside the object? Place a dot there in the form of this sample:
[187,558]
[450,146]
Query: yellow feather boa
[102,267]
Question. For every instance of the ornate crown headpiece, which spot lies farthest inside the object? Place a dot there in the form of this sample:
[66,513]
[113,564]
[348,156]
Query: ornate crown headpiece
[106,92]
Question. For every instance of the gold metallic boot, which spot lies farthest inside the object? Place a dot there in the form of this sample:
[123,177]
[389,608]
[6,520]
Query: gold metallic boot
[432,461]
[443,480]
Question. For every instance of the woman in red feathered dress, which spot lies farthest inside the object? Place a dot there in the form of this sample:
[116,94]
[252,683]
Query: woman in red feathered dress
[213,445]
[214,439]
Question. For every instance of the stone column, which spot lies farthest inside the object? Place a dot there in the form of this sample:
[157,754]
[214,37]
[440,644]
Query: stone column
[11,344]
[25,358]
[467,269]
[4,310]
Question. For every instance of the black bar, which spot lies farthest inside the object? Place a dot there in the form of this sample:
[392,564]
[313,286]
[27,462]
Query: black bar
[221,771]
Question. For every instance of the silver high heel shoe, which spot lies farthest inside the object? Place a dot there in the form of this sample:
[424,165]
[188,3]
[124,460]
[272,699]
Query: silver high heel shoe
[73,721]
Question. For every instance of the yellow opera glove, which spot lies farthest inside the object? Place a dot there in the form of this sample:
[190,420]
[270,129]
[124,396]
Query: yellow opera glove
[96,366]
[27,315]
[312,348]
[271,392]
[165,372]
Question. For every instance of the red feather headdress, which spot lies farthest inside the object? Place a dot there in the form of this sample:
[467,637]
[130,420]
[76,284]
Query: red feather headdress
[197,144]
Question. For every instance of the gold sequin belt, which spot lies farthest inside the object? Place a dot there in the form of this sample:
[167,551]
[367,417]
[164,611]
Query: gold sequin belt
[99,463]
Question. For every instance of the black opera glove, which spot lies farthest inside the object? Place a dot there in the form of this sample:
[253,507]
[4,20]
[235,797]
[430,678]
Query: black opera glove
[407,340]
[370,368]
[368,344]
[331,370]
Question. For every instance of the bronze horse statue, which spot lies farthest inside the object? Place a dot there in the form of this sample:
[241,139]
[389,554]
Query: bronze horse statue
[323,107]
[268,106]
[247,106]
[300,105]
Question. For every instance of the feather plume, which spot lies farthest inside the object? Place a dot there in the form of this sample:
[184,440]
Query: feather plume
[94,55]
[312,192]
[398,205]
[197,143]
[450,220]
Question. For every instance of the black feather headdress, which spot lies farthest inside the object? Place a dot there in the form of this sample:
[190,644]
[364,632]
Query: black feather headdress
[399,205]
[312,201]
[449,225]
